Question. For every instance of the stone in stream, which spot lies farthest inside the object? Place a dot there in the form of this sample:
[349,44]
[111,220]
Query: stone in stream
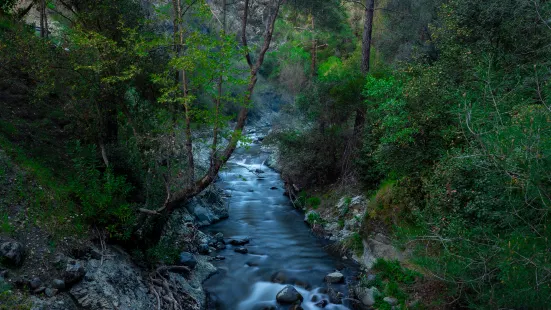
[335,297]
[334,277]
[273,188]
[187,259]
[279,277]
[203,249]
[239,241]
[322,304]
[289,295]
[242,250]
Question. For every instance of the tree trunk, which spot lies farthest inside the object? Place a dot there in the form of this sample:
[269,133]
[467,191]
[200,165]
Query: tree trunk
[359,122]
[220,91]
[314,56]
[158,218]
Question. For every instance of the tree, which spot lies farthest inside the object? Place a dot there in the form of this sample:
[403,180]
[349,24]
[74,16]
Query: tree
[156,219]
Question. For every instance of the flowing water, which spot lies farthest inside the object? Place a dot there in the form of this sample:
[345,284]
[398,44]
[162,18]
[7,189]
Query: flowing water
[280,241]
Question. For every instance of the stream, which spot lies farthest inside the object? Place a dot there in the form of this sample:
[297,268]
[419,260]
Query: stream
[280,242]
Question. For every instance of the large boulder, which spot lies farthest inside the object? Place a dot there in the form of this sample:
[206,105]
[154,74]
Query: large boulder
[73,273]
[366,295]
[334,277]
[187,259]
[239,241]
[12,252]
[114,284]
[289,295]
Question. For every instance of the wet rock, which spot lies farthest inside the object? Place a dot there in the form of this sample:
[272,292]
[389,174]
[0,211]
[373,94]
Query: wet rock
[51,292]
[203,249]
[335,297]
[187,259]
[273,188]
[219,257]
[366,295]
[296,307]
[315,298]
[219,237]
[334,277]
[289,295]
[259,171]
[239,241]
[12,253]
[279,277]
[58,284]
[322,304]
[391,301]
[241,250]
[73,273]
[35,283]
[220,246]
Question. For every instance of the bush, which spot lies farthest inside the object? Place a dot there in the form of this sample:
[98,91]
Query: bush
[102,195]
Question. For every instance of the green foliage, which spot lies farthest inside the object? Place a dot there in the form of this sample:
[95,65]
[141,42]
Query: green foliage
[102,195]
[313,202]
[163,253]
[354,243]
[314,218]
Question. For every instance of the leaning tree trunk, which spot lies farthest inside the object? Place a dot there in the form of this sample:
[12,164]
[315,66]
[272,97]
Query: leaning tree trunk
[359,122]
[153,222]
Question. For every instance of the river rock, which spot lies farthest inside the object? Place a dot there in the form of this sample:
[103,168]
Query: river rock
[220,246]
[239,241]
[12,252]
[241,250]
[334,277]
[335,296]
[219,237]
[279,277]
[322,304]
[288,295]
[73,273]
[203,249]
[187,259]
[366,295]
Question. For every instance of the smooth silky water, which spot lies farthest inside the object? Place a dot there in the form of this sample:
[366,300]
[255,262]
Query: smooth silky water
[280,241]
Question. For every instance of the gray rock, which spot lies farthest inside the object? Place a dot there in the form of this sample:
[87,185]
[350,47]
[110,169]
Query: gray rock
[219,237]
[203,249]
[239,241]
[58,284]
[220,246]
[279,277]
[391,301]
[115,284]
[367,295]
[219,257]
[242,250]
[322,304]
[334,277]
[187,259]
[35,283]
[73,273]
[289,295]
[335,297]
[12,252]
[51,292]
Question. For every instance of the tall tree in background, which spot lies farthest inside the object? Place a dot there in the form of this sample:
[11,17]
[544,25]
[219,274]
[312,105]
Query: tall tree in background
[359,122]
